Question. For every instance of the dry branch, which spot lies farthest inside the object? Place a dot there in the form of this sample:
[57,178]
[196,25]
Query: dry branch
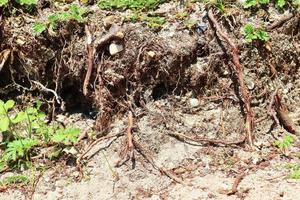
[239,72]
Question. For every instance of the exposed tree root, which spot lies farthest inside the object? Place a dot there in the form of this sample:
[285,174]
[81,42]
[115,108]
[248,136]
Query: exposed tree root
[90,59]
[236,182]
[281,21]
[133,144]
[88,149]
[206,140]
[150,159]
[238,70]
[282,115]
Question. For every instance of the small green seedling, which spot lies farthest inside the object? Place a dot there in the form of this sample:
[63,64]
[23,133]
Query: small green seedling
[254,3]
[129,4]
[294,171]
[74,13]
[285,143]
[251,34]
[11,180]
[154,22]
[24,132]
[4,3]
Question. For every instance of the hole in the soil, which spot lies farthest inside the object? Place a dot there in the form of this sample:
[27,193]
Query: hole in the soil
[159,92]
[74,100]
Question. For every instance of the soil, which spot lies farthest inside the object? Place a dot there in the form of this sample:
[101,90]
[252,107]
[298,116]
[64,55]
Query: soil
[180,85]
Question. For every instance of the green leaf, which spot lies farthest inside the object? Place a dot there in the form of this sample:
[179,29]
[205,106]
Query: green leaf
[262,35]
[4,124]
[248,29]
[66,135]
[2,108]
[280,3]
[18,148]
[264,1]
[39,28]
[9,104]
[27,2]
[250,3]
[21,116]
[3,3]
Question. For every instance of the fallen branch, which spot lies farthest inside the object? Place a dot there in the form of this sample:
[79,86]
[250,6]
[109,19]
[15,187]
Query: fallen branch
[90,59]
[238,70]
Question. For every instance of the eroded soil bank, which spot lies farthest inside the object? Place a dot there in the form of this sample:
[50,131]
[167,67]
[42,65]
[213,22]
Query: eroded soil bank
[182,90]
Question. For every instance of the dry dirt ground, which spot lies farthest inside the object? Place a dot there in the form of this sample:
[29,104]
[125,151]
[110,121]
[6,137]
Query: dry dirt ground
[184,92]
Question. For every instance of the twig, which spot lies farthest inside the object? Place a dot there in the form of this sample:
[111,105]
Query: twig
[90,59]
[48,90]
[206,140]
[239,73]
[280,21]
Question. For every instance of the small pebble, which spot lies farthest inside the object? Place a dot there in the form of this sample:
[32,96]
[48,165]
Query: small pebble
[194,102]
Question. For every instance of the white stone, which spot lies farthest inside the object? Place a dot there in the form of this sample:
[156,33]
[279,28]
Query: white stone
[194,102]
[115,48]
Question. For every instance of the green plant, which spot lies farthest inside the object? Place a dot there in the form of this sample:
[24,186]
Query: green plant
[130,4]
[18,149]
[66,135]
[252,3]
[154,22]
[15,179]
[251,34]
[285,143]
[294,171]
[191,23]
[278,3]
[27,130]
[3,3]
[74,13]
[182,15]
[21,2]
[151,21]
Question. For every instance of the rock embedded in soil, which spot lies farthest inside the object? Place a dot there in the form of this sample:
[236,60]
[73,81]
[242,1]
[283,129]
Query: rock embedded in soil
[115,48]
[194,102]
